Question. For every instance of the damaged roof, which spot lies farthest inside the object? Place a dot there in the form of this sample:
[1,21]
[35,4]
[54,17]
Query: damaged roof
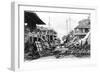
[84,23]
[32,17]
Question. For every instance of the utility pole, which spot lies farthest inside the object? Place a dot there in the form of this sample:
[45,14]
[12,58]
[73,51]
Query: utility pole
[49,22]
[49,29]
[67,25]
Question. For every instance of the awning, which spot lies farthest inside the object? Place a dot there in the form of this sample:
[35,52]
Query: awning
[32,17]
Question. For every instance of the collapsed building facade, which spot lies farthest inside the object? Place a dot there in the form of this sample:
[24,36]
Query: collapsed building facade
[39,41]
[78,40]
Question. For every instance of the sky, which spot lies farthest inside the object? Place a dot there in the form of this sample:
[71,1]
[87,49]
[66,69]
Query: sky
[62,23]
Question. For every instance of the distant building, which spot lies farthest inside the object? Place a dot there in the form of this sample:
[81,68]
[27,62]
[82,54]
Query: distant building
[83,28]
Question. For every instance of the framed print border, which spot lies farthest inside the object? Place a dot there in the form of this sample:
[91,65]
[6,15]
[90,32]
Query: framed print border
[17,34]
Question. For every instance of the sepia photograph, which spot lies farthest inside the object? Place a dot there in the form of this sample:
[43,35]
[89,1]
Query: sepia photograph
[56,35]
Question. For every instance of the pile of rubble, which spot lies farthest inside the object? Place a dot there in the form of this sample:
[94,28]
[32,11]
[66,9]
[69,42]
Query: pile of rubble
[44,42]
